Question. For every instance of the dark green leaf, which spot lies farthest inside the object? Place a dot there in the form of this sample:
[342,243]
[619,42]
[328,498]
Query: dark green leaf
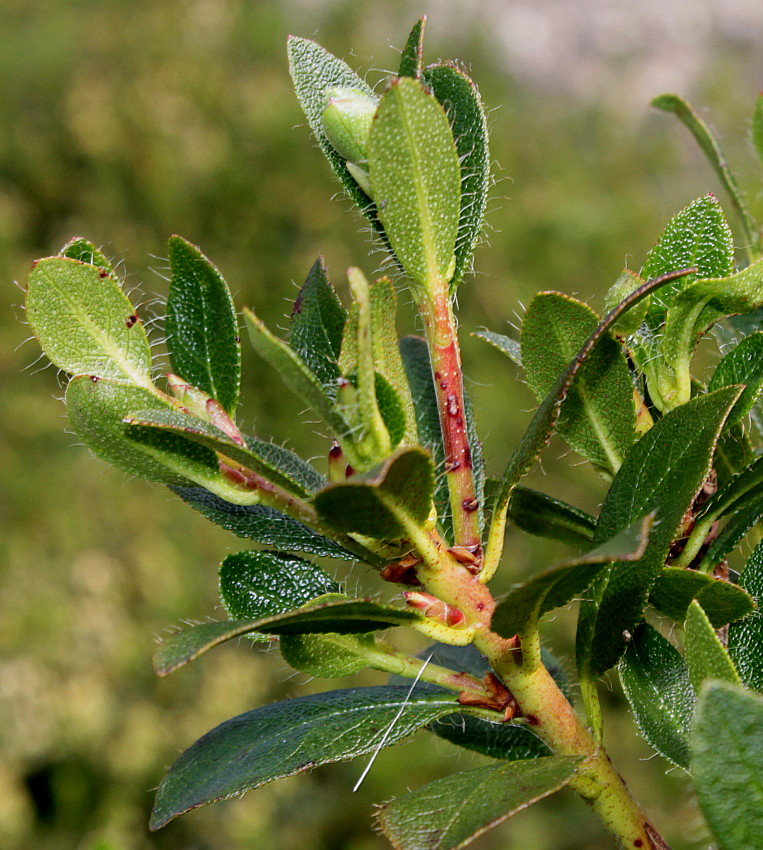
[151,424]
[202,331]
[460,99]
[85,323]
[415,354]
[746,517]
[289,464]
[84,251]
[261,584]
[391,409]
[727,762]
[746,637]
[386,502]
[663,472]
[512,348]
[598,417]
[416,179]
[675,588]
[248,751]
[316,327]
[525,605]
[97,408]
[742,365]
[697,236]
[410,61]
[656,681]
[710,147]
[314,70]
[448,813]
[262,524]
[336,616]
[706,657]
[541,515]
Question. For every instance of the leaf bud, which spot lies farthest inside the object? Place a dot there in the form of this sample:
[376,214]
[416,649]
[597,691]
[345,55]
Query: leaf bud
[434,608]
[347,122]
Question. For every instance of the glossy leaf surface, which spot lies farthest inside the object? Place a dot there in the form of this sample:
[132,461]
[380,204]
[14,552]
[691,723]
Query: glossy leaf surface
[542,515]
[675,588]
[742,365]
[745,645]
[201,325]
[706,657]
[512,348]
[727,762]
[448,813]
[248,751]
[663,472]
[655,679]
[597,418]
[85,323]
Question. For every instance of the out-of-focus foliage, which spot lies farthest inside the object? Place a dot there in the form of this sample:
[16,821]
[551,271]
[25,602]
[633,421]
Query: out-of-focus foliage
[130,121]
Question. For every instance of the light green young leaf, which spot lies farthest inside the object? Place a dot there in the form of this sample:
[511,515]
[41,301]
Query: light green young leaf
[336,615]
[386,503]
[85,323]
[706,657]
[96,411]
[742,365]
[460,98]
[248,751]
[598,417]
[663,472]
[727,763]
[746,637]
[710,147]
[541,515]
[327,656]
[675,588]
[201,325]
[656,682]
[416,179]
[449,813]
[86,252]
[313,71]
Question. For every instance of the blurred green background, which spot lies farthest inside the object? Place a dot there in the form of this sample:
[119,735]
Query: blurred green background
[126,122]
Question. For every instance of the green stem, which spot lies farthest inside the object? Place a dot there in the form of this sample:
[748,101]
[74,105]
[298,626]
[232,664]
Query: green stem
[552,718]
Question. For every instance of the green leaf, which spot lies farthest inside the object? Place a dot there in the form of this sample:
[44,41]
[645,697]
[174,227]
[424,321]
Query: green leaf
[757,127]
[262,524]
[294,373]
[202,331]
[410,61]
[541,515]
[656,682]
[415,175]
[418,369]
[287,462]
[663,472]
[697,236]
[512,348]
[84,251]
[460,98]
[254,585]
[97,408]
[742,365]
[85,323]
[706,657]
[727,762]
[693,312]
[336,616]
[313,71]
[151,424]
[675,588]
[387,502]
[317,324]
[746,637]
[248,751]
[710,147]
[327,656]
[745,517]
[598,416]
[448,813]
[520,611]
